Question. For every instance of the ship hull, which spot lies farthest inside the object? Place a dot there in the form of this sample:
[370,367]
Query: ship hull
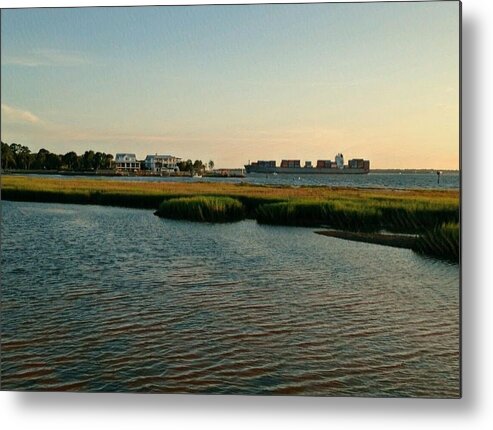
[305,170]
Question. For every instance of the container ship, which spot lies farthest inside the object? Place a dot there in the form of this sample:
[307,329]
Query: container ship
[354,166]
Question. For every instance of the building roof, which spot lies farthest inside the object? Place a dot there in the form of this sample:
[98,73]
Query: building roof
[125,156]
[161,156]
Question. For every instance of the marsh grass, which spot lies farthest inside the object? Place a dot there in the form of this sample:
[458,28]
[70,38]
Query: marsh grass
[130,200]
[442,242]
[13,186]
[203,209]
[434,214]
[416,216]
[366,215]
[336,214]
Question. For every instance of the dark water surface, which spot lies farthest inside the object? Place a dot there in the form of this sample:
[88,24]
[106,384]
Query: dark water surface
[112,299]
[448,180]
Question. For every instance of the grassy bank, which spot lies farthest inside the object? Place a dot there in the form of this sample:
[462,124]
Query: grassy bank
[442,242]
[394,240]
[203,209]
[427,212]
[14,186]
[398,215]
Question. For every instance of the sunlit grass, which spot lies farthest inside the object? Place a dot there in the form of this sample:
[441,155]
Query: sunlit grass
[244,190]
[360,215]
[203,209]
[434,214]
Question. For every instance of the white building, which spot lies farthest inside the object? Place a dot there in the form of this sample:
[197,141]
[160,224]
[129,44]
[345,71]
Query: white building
[126,162]
[340,161]
[162,163]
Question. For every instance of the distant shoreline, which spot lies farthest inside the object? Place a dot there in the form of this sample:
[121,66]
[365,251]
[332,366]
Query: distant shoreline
[418,171]
[186,174]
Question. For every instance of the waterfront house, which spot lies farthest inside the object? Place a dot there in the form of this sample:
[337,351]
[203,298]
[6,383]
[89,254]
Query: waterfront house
[126,163]
[162,163]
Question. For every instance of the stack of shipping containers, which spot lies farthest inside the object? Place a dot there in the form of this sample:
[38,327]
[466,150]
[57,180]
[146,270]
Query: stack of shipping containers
[291,163]
[324,164]
[356,163]
[263,163]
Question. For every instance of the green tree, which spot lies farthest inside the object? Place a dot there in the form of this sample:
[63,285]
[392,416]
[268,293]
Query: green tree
[108,160]
[24,159]
[211,164]
[185,166]
[8,158]
[98,160]
[15,148]
[71,160]
[40,159]
[88,160]
[53,162]
[198,166]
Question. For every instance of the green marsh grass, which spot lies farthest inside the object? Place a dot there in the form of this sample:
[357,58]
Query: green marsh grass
[15,187]
[312,214]
[442,242]
[360,215]
[425,212]
[203,209]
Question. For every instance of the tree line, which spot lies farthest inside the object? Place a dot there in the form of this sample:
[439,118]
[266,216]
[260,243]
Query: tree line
[194,167]
[15,156]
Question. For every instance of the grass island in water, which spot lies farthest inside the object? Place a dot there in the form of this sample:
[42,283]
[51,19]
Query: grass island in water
[433,215]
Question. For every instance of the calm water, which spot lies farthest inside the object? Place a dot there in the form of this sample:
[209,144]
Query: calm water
[372,180]
[111,299]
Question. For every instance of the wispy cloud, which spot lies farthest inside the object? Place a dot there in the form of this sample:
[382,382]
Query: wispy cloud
[14,115]
[47,57]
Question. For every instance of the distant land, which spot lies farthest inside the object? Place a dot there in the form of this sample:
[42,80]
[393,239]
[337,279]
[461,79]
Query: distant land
[413,170]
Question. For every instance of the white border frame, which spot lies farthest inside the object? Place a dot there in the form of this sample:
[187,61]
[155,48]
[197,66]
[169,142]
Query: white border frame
[126,411]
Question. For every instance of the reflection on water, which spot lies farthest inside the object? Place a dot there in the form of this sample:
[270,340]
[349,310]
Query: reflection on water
[111,299]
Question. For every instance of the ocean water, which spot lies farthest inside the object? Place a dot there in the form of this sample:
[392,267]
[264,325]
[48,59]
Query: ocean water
[113,299]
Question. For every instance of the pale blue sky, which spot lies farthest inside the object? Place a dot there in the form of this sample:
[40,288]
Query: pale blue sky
[237,83]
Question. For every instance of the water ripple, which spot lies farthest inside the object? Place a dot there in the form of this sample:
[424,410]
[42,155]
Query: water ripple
[110,299]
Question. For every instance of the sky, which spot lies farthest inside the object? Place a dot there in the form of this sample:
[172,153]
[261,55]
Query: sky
[378,81]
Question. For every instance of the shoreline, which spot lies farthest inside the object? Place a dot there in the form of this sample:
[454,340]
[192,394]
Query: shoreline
[395,240]
[86,180]
[352,213]
[150,194]
[111,173]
